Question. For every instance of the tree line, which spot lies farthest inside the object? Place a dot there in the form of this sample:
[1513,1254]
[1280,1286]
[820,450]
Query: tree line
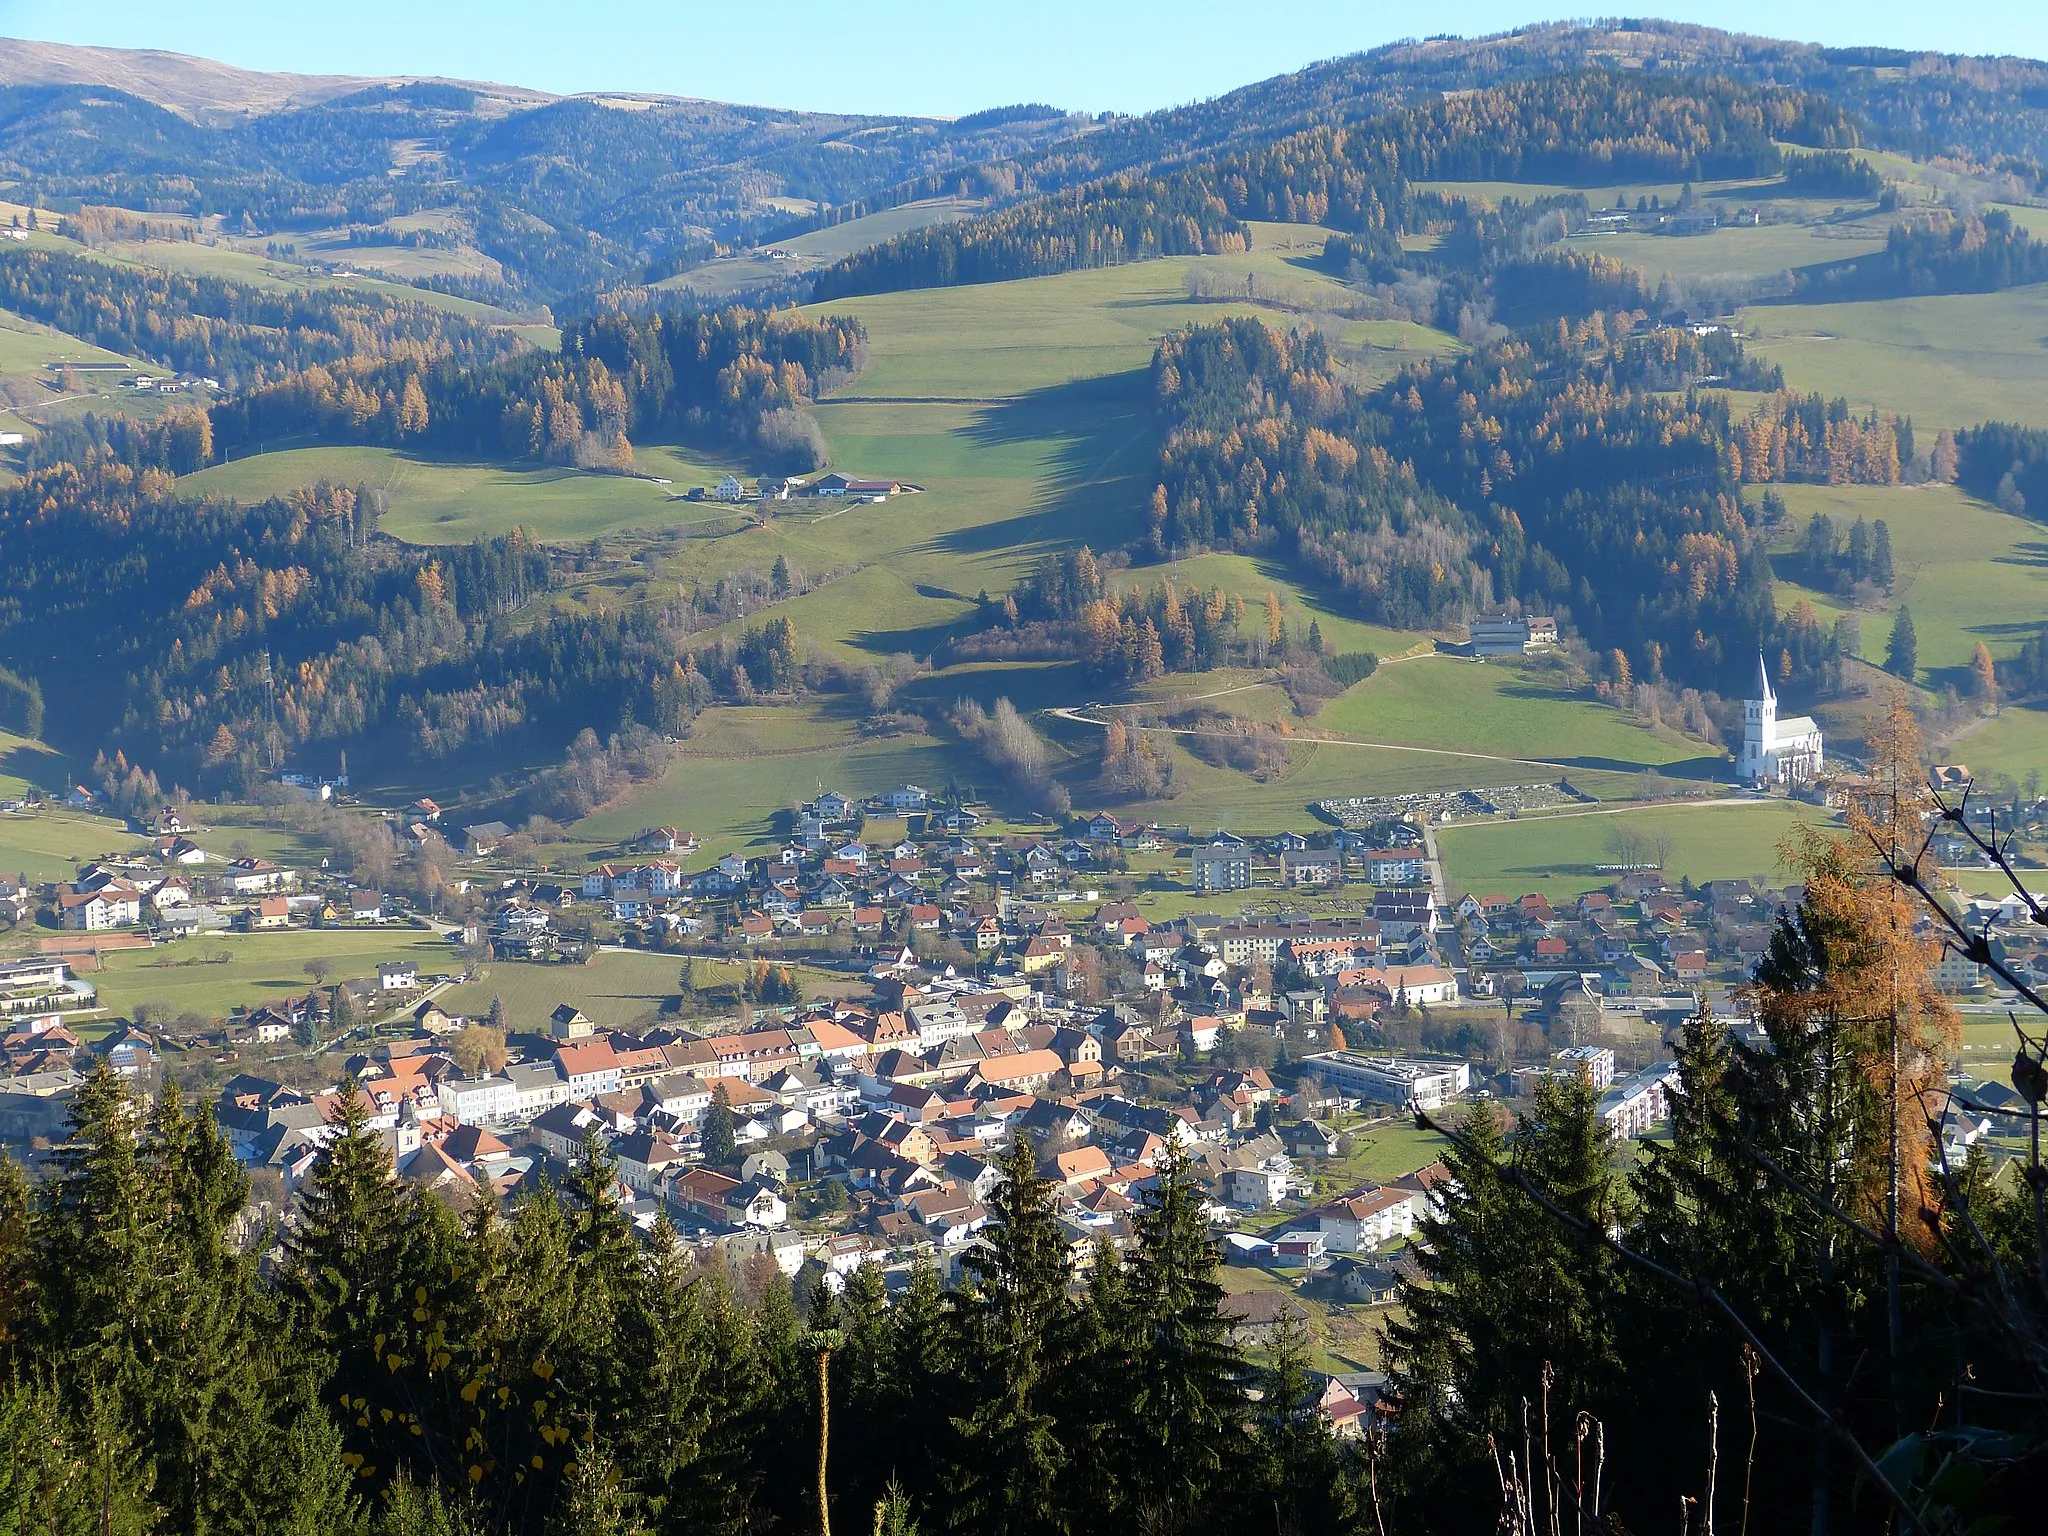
[734,375]
[382,1364]
[1589,126]
[240,334]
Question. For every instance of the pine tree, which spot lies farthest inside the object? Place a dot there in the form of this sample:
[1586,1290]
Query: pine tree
[1902,651]
[1504,1290]
[338,1259]
[1006,1462]
[1301,1474]
[662,1434]
[717,1136]
[1188,1408]
[414,1509]
[1881,570]
[595,1499]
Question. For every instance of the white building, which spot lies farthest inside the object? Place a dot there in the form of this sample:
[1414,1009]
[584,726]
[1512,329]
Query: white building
[1428,1085]
[479,1100]
[1775,751]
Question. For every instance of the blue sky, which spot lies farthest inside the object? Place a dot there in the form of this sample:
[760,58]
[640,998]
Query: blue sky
[915,56]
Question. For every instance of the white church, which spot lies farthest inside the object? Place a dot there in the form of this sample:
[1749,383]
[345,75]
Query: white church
[1785,752]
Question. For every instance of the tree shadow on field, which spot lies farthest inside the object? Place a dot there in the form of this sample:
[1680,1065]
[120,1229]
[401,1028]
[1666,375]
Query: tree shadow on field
[33,764]
[1104,439]
[2033,554]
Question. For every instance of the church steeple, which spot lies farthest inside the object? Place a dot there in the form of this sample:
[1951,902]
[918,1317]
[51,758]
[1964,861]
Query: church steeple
[1763,678]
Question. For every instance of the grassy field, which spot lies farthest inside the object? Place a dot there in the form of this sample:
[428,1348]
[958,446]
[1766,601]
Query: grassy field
[742,765]
[1739,251]
[2012,742]
[440,501]
[820,248]
[616,988]
[27,348]
[1556,855]
[260,968]
[1947,361]
[1507,709]
[27,765]
[1006,339]
[50,844]
[1968,571]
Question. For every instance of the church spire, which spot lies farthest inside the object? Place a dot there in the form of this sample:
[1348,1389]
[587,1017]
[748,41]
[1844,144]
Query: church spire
[1763,677]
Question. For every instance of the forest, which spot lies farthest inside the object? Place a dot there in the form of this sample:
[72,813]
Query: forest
[1590,128]
[1560,469]
[239,334]
[564,195]
[390,1366]
[733,376]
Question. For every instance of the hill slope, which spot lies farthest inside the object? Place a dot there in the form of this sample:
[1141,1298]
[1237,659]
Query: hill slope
[201,89]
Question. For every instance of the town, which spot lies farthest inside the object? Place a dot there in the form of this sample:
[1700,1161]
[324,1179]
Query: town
[918,988]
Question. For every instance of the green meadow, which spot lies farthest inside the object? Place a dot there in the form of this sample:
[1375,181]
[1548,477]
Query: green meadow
[1508,709]
[1951,360]
[260,967]
[1968,571]
[444,501]
[27,347]
[616,988]
[2013,742]
[1557,855]
[1739,251]
[51,844]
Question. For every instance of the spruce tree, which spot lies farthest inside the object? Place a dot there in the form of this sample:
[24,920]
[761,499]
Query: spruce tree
[1301,1474]
[1188,1406]
[1902,651]
[716,1137]
[340,1256]
[1007,1456]
[662,1433]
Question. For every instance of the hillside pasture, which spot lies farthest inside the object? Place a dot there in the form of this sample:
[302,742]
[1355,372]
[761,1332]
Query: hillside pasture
[1950,360]
[2014,742]
[260,967]
[1507,709]
[1738,251]
[1968,571]
[50,844]
[448,501]
[615,988]
[1558,855]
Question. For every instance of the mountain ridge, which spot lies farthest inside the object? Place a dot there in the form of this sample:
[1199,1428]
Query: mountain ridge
[207,90]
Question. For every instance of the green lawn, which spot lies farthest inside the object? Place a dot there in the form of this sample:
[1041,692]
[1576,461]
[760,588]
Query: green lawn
[2013,742]
[50,844]
[26,347]
[1556,855]
[1503,708]
[617,988]
[1947,361]
[1757,250]
[438,501]
[1968,571]
[27,765]
[261,968]
[742,765]
[999,340]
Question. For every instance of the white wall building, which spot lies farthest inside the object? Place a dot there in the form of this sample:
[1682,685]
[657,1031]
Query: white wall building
[1775,751]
